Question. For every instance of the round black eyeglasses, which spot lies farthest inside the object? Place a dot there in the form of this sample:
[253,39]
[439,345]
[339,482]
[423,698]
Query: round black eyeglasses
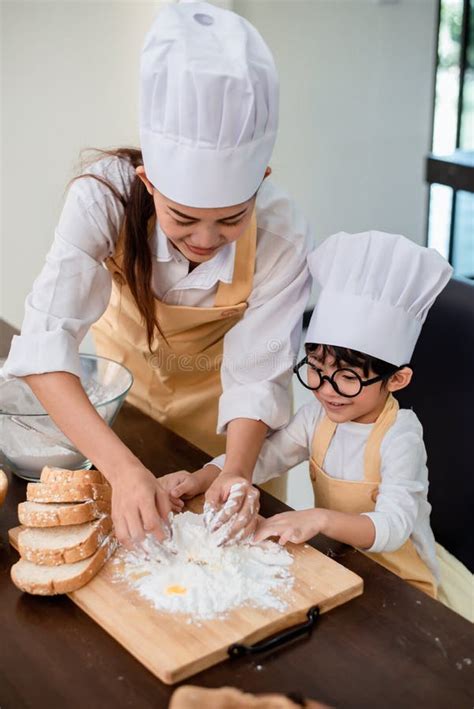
[344,381]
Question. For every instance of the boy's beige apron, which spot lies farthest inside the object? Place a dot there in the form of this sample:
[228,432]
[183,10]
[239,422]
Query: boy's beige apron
[356,496]
[178,383]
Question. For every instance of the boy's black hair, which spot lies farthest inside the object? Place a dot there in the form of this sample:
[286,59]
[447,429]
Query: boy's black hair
[352,358]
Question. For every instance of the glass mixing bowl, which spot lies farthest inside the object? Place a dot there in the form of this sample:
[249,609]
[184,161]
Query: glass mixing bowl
[29,439]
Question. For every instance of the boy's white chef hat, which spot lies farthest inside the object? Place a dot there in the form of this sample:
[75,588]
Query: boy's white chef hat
[208,105]
[377,289]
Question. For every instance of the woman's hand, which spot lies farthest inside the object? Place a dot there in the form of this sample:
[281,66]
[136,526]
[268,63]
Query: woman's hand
[140,505]
[296,527]
[232,501]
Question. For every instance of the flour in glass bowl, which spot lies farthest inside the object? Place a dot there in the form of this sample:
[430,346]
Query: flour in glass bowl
[30,450]
[192,574]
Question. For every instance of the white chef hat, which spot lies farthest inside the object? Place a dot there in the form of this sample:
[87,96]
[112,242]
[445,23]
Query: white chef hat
[208,105]
[376,290]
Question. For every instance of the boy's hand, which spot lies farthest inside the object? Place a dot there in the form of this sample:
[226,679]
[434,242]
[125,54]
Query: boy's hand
[179,486]
[184,485]
[296,527]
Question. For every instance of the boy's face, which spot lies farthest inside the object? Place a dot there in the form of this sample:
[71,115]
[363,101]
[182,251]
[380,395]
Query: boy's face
[363,408]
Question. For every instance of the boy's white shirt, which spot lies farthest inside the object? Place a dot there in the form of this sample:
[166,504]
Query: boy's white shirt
[402,509]
[73,290]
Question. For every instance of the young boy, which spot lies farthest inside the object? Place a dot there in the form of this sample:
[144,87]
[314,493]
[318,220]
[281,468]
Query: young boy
[367,457]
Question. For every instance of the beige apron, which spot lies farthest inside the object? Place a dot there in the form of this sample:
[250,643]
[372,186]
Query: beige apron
[354,496]
[178,383]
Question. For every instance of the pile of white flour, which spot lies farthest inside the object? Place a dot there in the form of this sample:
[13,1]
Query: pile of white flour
[193,574]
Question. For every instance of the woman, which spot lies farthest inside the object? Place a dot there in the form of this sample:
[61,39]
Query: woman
[200,254]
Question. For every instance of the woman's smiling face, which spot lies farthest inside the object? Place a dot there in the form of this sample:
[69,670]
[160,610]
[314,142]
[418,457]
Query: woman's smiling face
[199,233]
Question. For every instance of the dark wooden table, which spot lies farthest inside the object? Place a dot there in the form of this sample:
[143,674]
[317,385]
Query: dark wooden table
[391,647]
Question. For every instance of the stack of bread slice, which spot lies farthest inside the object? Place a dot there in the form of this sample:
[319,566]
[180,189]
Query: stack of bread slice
[66,534]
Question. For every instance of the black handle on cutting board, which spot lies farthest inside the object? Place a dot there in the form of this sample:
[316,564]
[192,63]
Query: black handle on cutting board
[239,650]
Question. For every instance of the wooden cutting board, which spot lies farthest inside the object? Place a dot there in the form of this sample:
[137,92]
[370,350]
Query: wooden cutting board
[173,649]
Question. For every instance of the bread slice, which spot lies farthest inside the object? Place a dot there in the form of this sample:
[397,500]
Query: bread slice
[58,514]
[53,546]
[59,475]
[3,486]
[50,580]
[67,492]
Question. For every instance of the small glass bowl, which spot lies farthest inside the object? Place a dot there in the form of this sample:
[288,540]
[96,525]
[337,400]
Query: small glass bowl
[29,439]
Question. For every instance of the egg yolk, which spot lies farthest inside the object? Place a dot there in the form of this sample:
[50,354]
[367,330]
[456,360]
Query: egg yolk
[176,590]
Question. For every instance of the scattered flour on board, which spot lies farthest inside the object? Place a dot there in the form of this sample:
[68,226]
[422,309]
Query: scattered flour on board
[192,574]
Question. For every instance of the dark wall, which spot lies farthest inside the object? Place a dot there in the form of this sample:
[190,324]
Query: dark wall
[442,396]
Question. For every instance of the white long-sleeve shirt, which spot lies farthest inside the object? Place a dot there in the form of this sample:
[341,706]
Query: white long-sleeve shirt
[402,509]
[73,290]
